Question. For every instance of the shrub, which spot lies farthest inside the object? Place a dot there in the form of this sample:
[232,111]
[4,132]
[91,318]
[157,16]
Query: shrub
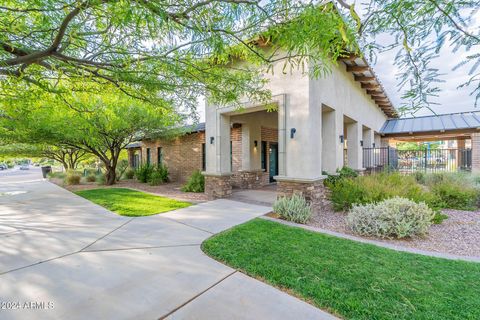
[341,174]
[101,179]
[59,175]
[163,172]
[91,178]
[155,178]
[391,218]
[455,196]
[196,183]
[439,217]
[72,178]
[294,208]
[158,175]
[129,173]
[143,173]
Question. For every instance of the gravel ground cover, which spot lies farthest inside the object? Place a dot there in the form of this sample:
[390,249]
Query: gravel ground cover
[458,235]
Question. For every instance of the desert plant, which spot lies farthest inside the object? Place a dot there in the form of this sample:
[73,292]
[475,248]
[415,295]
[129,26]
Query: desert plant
[163,172]
[392,218]
[101,179]
[155,178]
[294,208]
[72,178]
[143,173]
[122,166]
[91,178]
[456,196]
[129,173]
[196,183]
[344,173]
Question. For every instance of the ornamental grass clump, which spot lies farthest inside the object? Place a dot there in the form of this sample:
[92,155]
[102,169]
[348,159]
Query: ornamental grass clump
[392,218]
[196,183]
[72,178]
[294,208]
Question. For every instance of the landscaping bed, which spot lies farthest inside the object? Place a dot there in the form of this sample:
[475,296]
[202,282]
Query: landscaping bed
[132,203]
[350,279]
[457,235]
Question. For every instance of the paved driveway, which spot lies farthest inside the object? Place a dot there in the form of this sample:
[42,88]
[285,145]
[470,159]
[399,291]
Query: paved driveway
[62,257]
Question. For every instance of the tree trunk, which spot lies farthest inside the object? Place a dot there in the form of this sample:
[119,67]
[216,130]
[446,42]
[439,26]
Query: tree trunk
[110,175]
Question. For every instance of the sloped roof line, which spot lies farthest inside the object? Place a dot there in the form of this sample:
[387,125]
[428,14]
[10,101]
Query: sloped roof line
[469,120]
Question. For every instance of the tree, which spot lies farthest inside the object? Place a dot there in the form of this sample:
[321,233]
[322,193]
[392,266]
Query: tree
[69,157]
[98,125]
[155,51]
[176,51]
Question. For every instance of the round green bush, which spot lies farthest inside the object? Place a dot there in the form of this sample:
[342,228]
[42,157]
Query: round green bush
[391,218]
[91,178]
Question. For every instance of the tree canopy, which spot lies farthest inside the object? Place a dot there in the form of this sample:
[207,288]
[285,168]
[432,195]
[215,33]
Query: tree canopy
[174,51]
[101,125]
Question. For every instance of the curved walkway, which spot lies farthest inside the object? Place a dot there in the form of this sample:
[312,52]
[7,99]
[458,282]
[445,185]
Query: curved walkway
[63,257]
[376,243]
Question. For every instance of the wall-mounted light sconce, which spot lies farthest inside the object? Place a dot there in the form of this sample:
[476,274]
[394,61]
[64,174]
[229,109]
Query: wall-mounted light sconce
[292,133]
[212,139]
[342,140]
[373,145]
[361,143]
[255,143]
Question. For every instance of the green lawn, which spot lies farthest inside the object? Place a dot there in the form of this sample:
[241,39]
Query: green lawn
[350,279]
[128,202]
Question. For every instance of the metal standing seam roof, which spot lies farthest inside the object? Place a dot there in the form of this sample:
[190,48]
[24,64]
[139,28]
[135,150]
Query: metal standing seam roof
[440,122]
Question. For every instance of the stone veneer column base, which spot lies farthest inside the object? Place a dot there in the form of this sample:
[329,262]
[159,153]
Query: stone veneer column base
[312,190]
[250,179]
[218,185]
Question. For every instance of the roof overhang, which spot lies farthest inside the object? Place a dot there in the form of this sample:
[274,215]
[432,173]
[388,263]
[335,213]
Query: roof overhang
[363,73]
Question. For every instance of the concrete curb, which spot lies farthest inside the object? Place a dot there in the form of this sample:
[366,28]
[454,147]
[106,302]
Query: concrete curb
[377,243]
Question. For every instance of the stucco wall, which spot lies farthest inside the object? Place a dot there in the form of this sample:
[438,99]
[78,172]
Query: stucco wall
[304,100]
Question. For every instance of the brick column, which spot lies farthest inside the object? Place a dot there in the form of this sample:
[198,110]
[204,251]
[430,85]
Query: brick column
[476,152]
[218,185]
[312,190]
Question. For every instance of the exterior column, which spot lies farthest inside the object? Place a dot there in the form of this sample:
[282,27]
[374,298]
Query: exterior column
[368,138]
[312,190]
[368,154]
[332,148]
[476,152]
[217,147]
[459,153]
[354,149]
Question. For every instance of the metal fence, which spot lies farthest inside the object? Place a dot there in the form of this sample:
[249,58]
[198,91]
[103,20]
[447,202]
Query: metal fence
[436,160]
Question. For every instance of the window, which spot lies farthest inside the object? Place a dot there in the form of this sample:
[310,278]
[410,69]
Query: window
[148,156]
[264,155]
[159,156]
[204,158]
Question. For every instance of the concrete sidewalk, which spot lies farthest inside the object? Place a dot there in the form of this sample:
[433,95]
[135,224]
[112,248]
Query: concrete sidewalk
[63,257]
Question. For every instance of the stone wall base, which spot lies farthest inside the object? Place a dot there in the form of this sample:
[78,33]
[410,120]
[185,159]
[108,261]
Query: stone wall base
[314,192]
[218,186]
[250,179]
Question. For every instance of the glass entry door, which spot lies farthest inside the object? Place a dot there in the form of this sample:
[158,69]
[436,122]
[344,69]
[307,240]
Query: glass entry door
[273,161]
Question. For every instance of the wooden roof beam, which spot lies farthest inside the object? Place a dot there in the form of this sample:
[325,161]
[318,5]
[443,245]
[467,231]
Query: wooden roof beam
[363,78]
[370,85]
[357,68]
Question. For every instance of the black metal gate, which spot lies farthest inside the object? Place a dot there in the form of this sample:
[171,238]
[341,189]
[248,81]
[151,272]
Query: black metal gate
[433,160]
